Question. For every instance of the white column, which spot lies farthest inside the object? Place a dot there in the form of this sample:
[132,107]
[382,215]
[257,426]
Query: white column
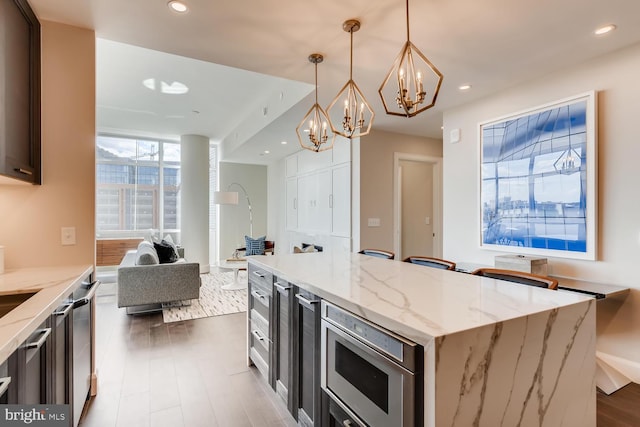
[194,199]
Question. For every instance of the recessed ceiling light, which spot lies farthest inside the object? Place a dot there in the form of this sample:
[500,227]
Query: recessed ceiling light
[266,151]
[175,88]
[178,6]
[464,87]
[283,142]
[604,29]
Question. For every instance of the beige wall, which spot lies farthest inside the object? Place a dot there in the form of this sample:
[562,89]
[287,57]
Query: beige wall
[234,219]
[33,215]
[615,79]
[376,181]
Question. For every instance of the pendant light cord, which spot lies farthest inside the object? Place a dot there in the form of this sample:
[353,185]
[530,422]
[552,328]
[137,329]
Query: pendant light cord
[407,20]
[351,56]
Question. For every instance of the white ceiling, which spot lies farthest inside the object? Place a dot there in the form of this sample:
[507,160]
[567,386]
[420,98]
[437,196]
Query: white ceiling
[491,44]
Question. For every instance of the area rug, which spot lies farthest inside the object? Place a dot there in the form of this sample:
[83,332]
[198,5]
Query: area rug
[213,301]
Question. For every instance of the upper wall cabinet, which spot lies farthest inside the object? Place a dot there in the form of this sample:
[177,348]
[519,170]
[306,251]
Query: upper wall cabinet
[20,92]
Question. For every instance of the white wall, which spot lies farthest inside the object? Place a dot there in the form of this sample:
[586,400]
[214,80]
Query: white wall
[234,219]
[615,77]
[32,215]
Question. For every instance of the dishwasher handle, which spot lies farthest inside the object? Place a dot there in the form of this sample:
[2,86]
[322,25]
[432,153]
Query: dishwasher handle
[91,292]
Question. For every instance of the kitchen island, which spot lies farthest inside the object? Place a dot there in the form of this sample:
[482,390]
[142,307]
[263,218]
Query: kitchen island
[495,353]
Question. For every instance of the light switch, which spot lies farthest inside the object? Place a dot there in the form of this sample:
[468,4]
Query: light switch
[68,236]
[427,220]
[373,222]
[454,136]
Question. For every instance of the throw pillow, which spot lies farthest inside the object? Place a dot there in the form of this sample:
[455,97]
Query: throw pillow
[297,250]
[309,249]
[166,252]
[146,254]
[254,246]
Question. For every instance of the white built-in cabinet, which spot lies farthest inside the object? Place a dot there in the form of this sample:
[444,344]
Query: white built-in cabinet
[318,192]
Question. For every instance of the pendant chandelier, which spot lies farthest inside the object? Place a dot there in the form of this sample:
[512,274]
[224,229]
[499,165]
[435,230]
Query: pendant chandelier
[403,90]
[319,126]
[357,115]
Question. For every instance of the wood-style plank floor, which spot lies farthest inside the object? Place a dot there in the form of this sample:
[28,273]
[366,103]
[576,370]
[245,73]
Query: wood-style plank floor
[191,373]
[194,373]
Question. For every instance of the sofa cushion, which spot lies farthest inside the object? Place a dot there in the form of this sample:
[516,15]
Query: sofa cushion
[166,252]
[254,246]
[146,254]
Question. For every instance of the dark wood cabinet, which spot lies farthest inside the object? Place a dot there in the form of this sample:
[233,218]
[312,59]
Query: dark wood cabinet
[283,342]
[62,359]
[34,367]
[20,99]
[307,363]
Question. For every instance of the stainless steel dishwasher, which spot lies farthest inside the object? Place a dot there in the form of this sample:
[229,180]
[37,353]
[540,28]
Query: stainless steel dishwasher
[83,357]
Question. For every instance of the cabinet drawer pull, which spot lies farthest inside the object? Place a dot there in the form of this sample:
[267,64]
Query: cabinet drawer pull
[91,291]
[45,334]
[4,384]
[259,274]
[306,301]
[347,423]
[65,311]
[24,171]
[258,295]
[282,288]
[256,334]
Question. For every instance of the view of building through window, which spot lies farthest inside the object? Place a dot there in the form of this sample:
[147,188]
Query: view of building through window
[138,187]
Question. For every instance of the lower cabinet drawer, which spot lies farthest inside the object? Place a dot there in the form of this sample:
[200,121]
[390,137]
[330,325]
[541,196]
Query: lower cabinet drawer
[260,363]
[259,339]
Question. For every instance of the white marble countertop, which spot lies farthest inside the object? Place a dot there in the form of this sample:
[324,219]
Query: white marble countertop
[417,302]
[52,284]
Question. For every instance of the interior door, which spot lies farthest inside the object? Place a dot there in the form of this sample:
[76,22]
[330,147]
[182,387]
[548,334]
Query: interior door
[416,208]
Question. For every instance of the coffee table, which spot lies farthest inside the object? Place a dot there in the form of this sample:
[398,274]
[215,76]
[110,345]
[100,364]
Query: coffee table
[236,266]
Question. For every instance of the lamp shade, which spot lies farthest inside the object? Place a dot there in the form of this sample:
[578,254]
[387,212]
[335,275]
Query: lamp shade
[225,197]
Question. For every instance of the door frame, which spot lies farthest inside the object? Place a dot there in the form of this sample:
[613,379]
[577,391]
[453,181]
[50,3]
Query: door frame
[436,162]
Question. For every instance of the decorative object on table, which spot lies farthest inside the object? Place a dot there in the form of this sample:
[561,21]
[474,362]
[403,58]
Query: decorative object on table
[213,300]
[319,134]
[538,180]
[355,113]
[527,264]
[404,89]
[231,198]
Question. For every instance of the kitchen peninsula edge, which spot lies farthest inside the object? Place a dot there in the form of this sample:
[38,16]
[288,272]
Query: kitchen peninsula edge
[495,353]
[52,286]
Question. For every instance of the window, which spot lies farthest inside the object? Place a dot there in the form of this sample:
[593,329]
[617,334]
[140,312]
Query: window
[138,187]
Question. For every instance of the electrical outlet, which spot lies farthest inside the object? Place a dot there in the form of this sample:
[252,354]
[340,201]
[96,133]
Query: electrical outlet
[68,236]
[373,222]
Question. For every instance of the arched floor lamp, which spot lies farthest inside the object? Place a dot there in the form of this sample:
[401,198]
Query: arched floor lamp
[231,198]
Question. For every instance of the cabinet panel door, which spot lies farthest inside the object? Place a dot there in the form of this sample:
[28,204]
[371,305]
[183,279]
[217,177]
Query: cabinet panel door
[283,342]
[307,198]
[323,202]
[292,204]
[341,201]
[308,363]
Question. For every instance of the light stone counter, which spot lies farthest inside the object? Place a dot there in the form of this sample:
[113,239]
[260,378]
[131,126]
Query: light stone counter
[52,284]
[496,353]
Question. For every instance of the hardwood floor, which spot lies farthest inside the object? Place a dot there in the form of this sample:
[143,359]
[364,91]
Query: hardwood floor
[190,373]
[620,409]
[194,373]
